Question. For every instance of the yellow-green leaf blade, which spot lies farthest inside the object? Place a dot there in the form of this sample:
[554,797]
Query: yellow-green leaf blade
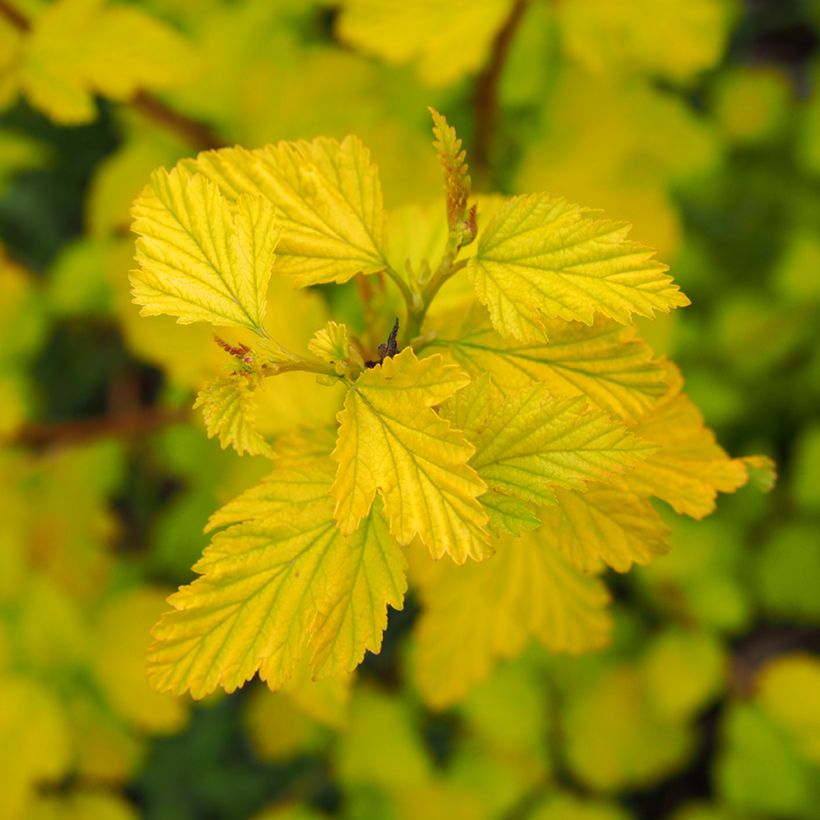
[541,258]
[277,590]
[445,40]
[77,49]
[527,443]
[605,362]
[328,196]
[604,524]
[690,467]
[392,442]
[229,409]
[200,258]
[479,613]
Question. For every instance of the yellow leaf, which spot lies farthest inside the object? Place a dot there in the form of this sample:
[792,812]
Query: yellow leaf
[280,588]
[382,746]
[788,687]
[200,258]
[329,200]
[277,728]
[481,612]
[106,749]
[541,258]
[82,803]
[528,443]
[446,40]
[669,38]
[682,672]
[605,362]
[614,740]
[605,524]
[31,723]
[392,442]
[78,48]
[508,515]
[122,637]
[229,409]
[332,344]
[690,467]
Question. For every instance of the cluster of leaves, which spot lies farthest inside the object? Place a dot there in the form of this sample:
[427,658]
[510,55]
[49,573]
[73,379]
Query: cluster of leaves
[465,447]
[702,691]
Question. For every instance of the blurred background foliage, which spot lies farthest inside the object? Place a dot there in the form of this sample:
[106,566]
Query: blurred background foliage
[698,120]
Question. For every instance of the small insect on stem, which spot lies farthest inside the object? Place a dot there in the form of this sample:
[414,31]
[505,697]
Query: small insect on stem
[388,348]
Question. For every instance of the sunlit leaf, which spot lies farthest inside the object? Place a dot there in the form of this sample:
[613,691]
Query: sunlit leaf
[392,442]
[541,258]
[200,259]
[328,197]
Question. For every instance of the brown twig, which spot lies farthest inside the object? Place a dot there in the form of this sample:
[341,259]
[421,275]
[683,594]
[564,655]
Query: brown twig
[198,135]
[486,91]
[119,425]
[14,16]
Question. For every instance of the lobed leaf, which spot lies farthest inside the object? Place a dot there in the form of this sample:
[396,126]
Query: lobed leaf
[78,48]
[481,612]
[527,443]
[540,258]
[229,410]
[605,524]
[446,40]
[392,442]
[329,200]
[605,362]
[201,259]
[690,467]
[282,587]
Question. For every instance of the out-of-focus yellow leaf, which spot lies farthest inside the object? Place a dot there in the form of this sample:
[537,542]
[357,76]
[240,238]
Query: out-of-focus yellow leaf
[118,180]
[570,807]
[328,197]
[33,729]
[106,750]
[752,104]
[50,626]
[122,629]
[382,745]
[392,442]
[481,612]
[788,688]
[277,728]
[541,258]
[200,258]
[445,40]
[613,741]
[327,701]
[760,770]
[81,47]
[82,804]
[653,139]
[676,39]
[682,671]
